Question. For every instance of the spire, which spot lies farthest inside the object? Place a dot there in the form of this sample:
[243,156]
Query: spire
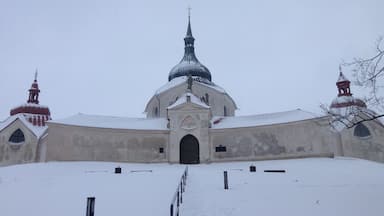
[189,40]
[189,30]
[36,75]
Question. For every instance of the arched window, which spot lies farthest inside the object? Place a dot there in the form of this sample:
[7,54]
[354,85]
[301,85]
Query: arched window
[361,131]
[17,137]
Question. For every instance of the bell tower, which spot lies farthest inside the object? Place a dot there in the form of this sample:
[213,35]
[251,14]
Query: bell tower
[35,113]
[343,85]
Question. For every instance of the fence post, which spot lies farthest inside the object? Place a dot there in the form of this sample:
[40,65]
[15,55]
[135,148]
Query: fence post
[90,206]
[225,180]
[178,198]
[181,193]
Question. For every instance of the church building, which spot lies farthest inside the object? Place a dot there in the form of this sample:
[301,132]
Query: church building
[189,120]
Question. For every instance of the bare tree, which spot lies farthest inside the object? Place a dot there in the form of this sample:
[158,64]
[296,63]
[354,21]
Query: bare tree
[348,117]
[368,73]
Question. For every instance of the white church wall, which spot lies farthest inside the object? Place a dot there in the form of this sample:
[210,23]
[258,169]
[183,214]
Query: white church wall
[367,147]
[217,100]
[295,139]
[74,143]
[23,152]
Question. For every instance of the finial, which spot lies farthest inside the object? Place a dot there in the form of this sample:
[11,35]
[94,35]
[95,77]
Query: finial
[340,69]
[189,12]
[36,74]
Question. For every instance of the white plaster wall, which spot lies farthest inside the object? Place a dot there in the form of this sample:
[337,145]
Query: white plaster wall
[200,129]
[370,148]
[27,151]
[74,143]
[217,100]
[309,137]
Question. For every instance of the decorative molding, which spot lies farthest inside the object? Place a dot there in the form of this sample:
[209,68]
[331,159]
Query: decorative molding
[188,123]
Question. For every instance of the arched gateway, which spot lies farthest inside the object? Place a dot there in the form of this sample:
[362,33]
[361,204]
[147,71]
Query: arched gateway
[189,150]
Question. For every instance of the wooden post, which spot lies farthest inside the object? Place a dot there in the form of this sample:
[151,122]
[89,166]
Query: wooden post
[90,206]
[178,199]
[225,180]
[181,192]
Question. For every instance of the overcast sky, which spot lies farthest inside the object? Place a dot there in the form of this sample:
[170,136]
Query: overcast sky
[109,57]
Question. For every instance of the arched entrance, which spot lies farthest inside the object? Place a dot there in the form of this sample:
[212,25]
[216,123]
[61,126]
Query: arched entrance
[189,150]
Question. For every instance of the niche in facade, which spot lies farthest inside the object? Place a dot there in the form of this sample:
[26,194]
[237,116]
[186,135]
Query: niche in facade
[220,148]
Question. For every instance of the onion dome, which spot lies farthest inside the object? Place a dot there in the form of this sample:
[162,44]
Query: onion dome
[344,97]
[189,64]
[35,113]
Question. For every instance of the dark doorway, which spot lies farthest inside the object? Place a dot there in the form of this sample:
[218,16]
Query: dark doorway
[189,150]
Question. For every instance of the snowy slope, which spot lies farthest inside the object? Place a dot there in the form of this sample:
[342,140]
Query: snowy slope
[340,186]
[61,189]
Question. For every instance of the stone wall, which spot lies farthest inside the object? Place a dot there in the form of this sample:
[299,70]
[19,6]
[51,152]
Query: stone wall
[74,143]
[368,147]
[24,152]
[309,137]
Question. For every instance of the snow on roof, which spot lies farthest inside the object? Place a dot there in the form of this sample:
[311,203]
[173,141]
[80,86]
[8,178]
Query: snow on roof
[174,82]
[114,122]
[183,99]
[30,105]
[37,130]
[180,80]
[343,99]
[262,119]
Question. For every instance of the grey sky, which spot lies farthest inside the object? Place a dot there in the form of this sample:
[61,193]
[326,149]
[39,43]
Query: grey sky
[109,57]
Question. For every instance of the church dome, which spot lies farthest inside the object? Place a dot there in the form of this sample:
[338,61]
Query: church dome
[189,64]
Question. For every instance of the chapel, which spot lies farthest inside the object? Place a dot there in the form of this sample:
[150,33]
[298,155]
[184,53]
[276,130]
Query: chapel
[189,120]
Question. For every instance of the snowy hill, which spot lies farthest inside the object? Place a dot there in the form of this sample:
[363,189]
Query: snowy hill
[340,186]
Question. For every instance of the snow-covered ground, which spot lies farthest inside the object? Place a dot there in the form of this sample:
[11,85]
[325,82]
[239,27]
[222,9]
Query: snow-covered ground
[61,189]
[321,186]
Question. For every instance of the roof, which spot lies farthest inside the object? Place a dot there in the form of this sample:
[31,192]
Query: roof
[114,122]
[183,79]
[194,100]
[38,131]
[262,119]
[189,64]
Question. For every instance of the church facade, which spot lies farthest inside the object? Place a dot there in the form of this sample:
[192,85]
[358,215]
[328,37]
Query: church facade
[189,120]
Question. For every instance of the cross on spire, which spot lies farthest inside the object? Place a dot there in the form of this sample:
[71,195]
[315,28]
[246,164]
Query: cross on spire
[189,12]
